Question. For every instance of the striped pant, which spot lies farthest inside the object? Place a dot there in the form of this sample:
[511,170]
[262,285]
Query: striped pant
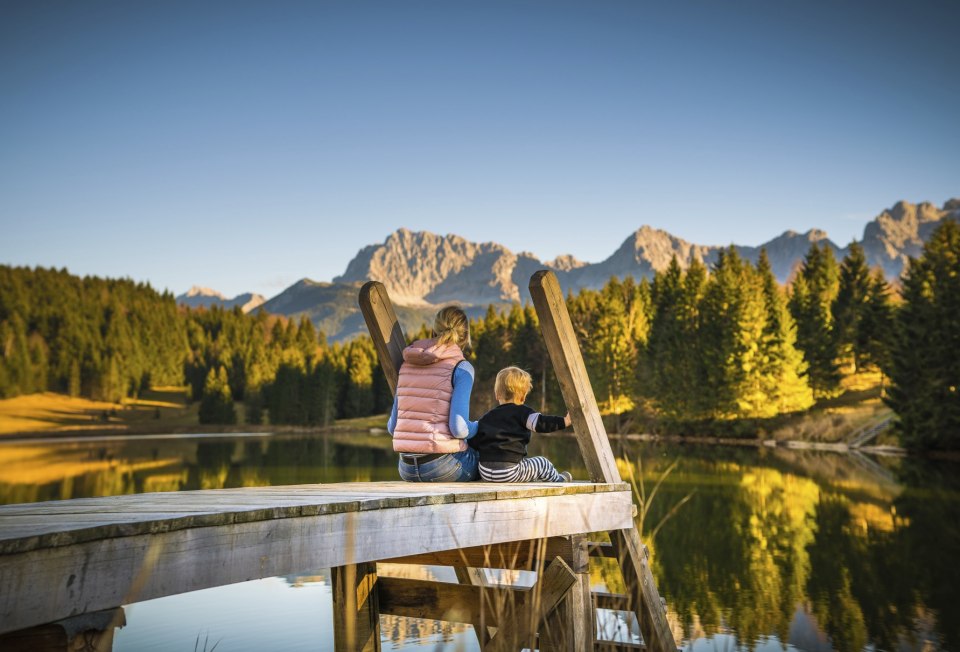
[529,469]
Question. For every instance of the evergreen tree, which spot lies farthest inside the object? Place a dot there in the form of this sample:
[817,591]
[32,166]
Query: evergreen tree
[611,350]
[216,403]
[811,298]
[733,322]
[925,357]
[877,325]
[784,371]
[675,376]
[850,306]
[357,388]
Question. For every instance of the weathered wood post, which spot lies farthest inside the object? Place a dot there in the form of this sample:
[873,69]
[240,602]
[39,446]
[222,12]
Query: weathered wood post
[356,613]
[571,627]
[601,464]
[385,330]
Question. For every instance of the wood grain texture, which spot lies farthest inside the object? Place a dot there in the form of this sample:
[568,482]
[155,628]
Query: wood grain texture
[551,587]
[385,330]
[515,555]
[570,627]
[105,567]
[356,612]
[577,391]
[572,375]
[642,590]
[457,603]
[32,526]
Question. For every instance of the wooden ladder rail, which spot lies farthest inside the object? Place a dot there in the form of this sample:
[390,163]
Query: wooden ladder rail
[567,360]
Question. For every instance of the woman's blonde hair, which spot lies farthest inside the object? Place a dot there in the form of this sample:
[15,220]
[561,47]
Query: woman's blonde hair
[452,327]
[512,385]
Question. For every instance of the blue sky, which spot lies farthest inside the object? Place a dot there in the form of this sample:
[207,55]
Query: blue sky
[244,145]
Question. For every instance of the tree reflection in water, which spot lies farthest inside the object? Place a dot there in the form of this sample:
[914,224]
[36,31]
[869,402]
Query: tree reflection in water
[774,548]
[761,551]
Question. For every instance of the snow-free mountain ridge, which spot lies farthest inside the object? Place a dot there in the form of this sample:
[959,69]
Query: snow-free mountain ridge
[422,270]
[197,297]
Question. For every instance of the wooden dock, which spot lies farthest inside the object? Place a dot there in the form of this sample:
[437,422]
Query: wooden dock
[64,558]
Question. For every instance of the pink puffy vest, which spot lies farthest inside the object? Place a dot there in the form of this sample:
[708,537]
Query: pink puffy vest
[423,399]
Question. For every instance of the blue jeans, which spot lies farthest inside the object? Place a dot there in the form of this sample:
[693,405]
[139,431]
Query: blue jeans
[452,467]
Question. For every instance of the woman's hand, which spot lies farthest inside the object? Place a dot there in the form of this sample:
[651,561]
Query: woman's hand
[566,420]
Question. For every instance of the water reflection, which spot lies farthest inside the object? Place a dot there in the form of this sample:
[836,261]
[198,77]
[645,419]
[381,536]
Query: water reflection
[31,472]
[774,549]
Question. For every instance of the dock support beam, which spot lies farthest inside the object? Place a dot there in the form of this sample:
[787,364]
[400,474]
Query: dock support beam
[570,628]
[356,610]
[564,350]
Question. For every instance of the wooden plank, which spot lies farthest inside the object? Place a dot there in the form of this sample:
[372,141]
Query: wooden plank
[385,330]
[570,628]
[565,354]
[642,589]
[458,603]
[46,584]
[551,587]
[24,527]
[356,614]
[572,375]
[515,555]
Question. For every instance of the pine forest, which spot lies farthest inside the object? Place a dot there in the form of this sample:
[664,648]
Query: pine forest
[693,349]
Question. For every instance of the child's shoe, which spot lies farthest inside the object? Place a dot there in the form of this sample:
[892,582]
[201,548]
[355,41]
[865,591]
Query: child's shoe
[567,476]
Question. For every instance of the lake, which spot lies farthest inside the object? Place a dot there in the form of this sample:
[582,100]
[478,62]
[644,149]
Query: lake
[753,549]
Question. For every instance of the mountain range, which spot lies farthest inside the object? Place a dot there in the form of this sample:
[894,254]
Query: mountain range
[422,270]
[197,297]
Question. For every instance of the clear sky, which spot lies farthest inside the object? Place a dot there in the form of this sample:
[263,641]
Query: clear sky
[246,145]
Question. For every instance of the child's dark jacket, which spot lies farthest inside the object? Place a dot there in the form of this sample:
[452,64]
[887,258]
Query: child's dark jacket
[502,435]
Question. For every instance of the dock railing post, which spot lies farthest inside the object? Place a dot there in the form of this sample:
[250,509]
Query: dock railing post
[385,330]
[567,360]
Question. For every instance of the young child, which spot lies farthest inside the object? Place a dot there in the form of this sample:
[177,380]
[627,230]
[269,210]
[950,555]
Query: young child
[504,432]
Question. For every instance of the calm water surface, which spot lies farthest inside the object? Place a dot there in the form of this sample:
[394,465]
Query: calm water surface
[756,550]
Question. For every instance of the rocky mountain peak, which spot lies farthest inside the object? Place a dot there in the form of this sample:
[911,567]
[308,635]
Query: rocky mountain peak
[199,291]
[565,263]
[197,297]
[898,233]
[420,267]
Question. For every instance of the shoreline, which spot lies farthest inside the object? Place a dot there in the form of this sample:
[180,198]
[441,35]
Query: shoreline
[197,430]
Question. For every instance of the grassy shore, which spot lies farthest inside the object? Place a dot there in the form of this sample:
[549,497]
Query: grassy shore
[161,409]
[831,421]
[166,409]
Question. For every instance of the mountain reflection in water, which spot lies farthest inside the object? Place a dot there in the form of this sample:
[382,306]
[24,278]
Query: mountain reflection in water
[774,549]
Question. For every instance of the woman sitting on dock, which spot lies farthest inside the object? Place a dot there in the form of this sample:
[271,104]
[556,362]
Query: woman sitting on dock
[430,420]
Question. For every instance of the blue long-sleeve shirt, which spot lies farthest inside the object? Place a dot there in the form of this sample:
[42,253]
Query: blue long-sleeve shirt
[461,426]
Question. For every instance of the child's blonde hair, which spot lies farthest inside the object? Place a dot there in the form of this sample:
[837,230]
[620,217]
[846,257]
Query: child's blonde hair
[452,327]
[512,385]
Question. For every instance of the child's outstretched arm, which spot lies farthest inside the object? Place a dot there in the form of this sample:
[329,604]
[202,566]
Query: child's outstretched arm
[537,422]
